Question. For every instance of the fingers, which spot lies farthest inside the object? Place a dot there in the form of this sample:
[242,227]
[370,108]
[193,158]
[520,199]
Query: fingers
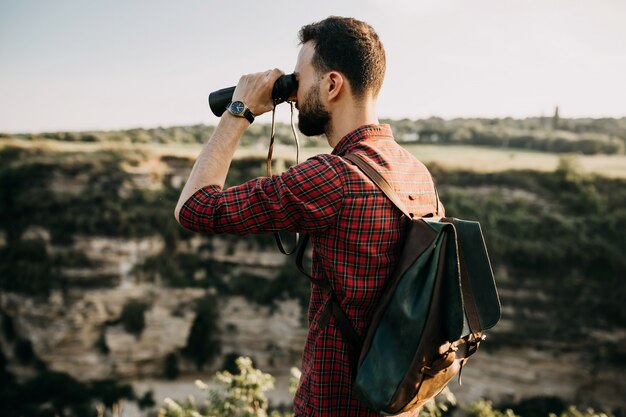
[255,90]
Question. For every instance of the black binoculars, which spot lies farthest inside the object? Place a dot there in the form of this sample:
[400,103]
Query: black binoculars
[284,88]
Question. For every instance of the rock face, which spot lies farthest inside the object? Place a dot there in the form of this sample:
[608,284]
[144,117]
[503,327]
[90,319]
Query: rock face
[78,332]
[78,329]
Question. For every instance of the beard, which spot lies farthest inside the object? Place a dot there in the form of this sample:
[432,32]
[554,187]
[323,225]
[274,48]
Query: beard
[313,119]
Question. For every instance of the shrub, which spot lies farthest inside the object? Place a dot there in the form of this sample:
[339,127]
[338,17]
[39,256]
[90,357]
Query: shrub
[8,329]
[24,352]
[203,342]
[572,411]
[239,394]
[133,317]
[485,409]
[170,366]
[538,406]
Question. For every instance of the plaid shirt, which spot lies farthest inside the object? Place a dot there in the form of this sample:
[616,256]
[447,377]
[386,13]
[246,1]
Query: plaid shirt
[354,232]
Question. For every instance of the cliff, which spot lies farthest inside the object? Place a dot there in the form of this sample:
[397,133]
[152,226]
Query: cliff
[98,281]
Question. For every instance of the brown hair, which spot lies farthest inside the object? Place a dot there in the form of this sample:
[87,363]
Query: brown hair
[351,47]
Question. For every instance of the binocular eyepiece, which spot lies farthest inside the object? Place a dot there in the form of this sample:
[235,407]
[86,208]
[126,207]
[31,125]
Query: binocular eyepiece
[284,88]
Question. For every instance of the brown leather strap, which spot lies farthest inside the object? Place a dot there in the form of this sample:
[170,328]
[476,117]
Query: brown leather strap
[379,180]
[270,150]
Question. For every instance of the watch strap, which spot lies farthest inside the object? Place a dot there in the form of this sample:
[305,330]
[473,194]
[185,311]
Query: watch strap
[248,115]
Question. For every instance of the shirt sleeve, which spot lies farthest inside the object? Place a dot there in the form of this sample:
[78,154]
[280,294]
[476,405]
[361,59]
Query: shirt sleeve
[305,198]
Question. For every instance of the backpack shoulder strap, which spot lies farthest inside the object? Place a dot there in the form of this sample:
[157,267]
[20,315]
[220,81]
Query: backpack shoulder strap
[382,183]
[332,305]
[379,180]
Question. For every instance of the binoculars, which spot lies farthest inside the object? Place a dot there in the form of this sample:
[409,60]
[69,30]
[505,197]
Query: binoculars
[284,88]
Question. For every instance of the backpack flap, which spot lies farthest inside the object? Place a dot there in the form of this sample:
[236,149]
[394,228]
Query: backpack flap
[475,263]
[452,310]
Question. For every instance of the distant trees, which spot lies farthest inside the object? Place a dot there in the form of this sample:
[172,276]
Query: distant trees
[586,136]
[547,134]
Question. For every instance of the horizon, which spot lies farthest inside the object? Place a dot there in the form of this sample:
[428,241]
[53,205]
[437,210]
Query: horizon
[70,66]
[382,120]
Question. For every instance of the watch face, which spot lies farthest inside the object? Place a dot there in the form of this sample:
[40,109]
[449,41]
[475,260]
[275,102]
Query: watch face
[237,107]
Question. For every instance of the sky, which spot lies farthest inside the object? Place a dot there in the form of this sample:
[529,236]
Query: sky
[117,64]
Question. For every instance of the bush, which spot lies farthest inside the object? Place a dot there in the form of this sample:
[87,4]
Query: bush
[8,329]
[58,394]
[538,406]
[133,317]
[574,412]
[24,352]
[239,394]
[242,394]
[170,366]
[485,409]
[203,342]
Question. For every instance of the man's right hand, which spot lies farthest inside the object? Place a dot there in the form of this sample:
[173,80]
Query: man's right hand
[255,90]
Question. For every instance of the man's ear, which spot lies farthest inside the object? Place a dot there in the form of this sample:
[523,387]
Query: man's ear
[334,85]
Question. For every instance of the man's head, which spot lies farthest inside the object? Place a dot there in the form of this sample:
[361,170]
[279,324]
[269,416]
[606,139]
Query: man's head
[350,47]
[339,57]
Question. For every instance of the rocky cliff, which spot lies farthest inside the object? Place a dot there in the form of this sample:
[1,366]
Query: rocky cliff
[99,282]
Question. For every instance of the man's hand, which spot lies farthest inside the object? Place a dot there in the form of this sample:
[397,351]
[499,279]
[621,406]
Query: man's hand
[255,90]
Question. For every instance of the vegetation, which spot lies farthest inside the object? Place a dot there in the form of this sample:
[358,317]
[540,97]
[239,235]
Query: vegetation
[170,366]
[133,317]
[559,235]
[549,134]
[203,342]
[58,394]
[238,395]
[242,394]
[563,222]
[556,238]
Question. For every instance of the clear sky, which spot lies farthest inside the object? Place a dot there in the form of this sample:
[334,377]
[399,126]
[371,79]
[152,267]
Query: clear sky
[87,64]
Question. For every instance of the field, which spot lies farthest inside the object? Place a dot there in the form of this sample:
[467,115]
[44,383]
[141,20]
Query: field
[475,158]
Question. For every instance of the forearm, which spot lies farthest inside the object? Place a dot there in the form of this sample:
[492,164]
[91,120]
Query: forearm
[211,167]
[212,164]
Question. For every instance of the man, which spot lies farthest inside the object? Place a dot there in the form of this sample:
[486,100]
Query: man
[354,228]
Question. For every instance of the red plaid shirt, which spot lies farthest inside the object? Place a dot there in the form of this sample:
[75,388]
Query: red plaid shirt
[354,231]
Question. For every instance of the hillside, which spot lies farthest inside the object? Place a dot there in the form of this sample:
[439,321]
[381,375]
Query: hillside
[97,280]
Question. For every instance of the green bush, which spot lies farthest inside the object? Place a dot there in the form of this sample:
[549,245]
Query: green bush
[8,329]
[239,394]
[484,408]
[170,366]
[26,267]
[58,394]
[132,317]
[203,341]
[572,411]
[23,350]
[537,406]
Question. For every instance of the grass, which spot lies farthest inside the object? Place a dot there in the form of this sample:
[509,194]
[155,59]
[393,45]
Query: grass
[474,158]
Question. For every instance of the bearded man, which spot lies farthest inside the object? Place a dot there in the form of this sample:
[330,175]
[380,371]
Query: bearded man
[353,227]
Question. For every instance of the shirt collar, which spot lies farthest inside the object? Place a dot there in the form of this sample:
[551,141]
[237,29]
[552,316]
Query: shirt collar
[361,133]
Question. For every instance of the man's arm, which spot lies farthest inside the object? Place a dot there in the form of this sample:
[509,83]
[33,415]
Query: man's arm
[211,167]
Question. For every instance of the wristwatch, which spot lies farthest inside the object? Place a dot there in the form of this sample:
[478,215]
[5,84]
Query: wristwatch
[237,108]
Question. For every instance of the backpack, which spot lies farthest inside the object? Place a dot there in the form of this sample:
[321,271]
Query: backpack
[432,313]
